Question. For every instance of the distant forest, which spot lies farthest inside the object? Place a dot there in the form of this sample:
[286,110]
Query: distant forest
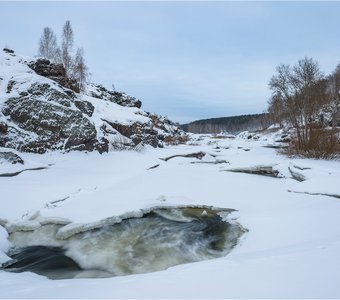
[233,125]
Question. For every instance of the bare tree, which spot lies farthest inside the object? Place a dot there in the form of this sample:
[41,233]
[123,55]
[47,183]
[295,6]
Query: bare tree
[333,88]
[75,69]
[48,44]
[80,70]
[300,92]
[276,110]
[66,49]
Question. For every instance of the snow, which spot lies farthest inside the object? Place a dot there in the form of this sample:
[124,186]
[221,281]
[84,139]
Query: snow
[14,68]
[292,249]
[6,167]
[112,112]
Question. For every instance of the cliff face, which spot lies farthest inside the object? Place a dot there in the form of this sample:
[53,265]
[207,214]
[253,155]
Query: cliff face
[38,113]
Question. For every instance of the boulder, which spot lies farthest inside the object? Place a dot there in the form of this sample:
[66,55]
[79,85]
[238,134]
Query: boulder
[138,133]
[11,157]
[56,72]
[10,51]
[53,124]
[44,67]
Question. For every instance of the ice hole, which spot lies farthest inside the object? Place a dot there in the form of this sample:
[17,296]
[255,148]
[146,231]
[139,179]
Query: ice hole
[161,238]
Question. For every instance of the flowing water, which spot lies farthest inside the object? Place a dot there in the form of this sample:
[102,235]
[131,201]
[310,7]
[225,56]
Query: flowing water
[160,239]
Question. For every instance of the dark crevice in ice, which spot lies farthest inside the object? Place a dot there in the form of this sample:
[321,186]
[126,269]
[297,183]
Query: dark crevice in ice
[19,172]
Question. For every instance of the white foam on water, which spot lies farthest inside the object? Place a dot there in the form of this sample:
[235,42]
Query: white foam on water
[160,239]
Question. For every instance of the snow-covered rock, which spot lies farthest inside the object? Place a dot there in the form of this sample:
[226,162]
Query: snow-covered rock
[100,92]
[38,113]
[10,157]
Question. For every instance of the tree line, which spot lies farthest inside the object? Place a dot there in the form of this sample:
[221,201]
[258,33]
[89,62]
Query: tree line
[304,98]
[76,70]
[233,124]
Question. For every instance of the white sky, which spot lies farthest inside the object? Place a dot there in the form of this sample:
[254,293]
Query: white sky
[186,60]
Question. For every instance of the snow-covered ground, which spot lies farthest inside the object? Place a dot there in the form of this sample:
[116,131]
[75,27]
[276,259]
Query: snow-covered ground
[292,248]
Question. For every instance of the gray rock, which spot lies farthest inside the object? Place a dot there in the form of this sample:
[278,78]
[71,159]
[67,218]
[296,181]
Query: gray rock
[10,85]
[56,72]
[48,93]
[85,107]
[3,127]
[48,116]
[44,67]
[140,134]
[101,145]
[8,50]
[11,158]
[100,92]
[52,123]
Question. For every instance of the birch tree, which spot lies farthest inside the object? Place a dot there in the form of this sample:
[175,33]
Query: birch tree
[80,70]
[66,49]
[48,45]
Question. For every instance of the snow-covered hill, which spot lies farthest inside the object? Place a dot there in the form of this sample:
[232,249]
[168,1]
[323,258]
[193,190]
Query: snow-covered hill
[38,114]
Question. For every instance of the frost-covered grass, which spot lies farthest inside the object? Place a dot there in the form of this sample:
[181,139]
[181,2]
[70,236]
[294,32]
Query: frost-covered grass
[292,248]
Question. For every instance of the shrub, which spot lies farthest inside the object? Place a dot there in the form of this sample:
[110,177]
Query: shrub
[323,143]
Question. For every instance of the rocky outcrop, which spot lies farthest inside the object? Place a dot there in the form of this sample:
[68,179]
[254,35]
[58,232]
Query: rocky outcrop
[139,133]
[10,51]
[100,92]
[45,68]
[49,93]
[53,124]
[56,72]
[37,113]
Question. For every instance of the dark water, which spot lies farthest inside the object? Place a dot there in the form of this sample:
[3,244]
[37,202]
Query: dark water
[44,260]
[158,240]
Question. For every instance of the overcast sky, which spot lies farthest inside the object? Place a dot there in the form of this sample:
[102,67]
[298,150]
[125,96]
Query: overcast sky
[185,60]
